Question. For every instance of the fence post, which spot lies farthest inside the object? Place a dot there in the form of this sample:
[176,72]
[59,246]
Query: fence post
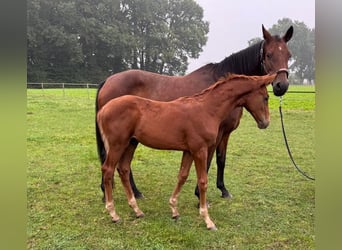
[63,89]
[88,89]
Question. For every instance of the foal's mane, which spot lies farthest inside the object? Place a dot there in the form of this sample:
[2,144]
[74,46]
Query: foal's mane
[229,77]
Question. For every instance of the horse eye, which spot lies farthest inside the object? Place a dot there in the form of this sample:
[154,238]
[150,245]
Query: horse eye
[269,55]
[266,98]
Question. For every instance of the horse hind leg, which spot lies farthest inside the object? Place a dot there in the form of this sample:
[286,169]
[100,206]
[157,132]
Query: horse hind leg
[137,193]
[108,169]
[124,171]
[182,176]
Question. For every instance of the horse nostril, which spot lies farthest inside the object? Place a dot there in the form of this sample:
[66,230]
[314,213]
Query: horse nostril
[280,88]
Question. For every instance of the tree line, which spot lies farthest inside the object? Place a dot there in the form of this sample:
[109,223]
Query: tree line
[88,40]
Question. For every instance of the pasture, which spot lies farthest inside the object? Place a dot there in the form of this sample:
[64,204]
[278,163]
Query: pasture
[272,205]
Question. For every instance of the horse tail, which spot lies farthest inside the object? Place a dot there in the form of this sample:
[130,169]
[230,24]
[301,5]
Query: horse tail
[99,142]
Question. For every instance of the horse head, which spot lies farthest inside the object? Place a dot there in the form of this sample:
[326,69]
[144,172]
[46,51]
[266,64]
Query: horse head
[275,59]
[256,102]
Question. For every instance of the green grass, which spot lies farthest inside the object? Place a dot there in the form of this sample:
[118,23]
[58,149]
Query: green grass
[272,205]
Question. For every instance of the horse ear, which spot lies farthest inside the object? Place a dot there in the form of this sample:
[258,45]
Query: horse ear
[267,36]
[288,34]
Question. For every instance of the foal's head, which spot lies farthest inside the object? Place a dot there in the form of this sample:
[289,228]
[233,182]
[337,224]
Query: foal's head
[275,59]
[256,102]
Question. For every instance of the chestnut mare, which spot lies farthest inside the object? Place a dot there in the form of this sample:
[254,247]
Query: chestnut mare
[268,56]
[190,124]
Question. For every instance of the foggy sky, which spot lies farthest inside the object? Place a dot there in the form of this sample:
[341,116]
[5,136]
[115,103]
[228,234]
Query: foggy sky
[233,23]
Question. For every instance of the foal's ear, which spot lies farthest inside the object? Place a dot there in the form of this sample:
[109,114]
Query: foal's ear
[267,36]
[268,79]
[288,34]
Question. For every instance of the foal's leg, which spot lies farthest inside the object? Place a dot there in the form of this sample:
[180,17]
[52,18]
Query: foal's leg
[211,151]
[108,169]
[182,176]
[124,170]
[137,193]
[200,159]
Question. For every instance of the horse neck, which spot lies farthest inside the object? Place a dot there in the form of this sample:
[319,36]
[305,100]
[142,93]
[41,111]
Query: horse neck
[246,62]
[222,98]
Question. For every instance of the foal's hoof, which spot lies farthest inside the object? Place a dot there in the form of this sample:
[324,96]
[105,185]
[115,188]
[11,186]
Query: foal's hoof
[140,215]
[115,221]
[214,228]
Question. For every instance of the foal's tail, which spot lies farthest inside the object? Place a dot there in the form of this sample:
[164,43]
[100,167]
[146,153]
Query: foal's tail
[99,142]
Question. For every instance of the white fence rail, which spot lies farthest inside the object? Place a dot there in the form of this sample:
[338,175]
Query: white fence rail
[88,86]
[61,85]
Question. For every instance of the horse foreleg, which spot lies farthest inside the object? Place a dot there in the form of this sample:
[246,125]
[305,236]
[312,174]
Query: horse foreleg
[200,159]
[108,169]
[124,170]
[211,151]
[182,176]
[221,162]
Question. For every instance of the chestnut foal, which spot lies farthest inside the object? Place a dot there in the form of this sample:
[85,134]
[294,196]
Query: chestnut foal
[189,124]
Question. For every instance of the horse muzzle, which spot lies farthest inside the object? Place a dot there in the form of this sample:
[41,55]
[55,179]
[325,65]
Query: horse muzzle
[281,83]
[280,88]
[263,124]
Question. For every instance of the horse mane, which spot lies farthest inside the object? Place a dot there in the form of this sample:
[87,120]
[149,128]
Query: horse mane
[246,60]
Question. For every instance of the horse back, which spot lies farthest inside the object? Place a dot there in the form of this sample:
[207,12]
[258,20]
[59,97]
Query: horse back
[150,85]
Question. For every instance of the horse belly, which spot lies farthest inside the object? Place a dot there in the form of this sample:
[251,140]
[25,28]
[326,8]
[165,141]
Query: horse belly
[161,130]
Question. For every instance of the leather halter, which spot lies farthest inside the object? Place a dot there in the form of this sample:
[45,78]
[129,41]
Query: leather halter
[283,70]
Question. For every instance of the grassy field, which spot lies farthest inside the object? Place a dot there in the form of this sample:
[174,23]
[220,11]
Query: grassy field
[272,205]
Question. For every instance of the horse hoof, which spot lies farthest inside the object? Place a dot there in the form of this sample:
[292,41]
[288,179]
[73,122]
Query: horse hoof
[116,221]
[227,195]
[214,228]
[176,217]
[140,215]
[139,196]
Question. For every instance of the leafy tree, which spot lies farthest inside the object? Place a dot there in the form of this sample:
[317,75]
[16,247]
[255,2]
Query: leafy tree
[86,40]
[53,51]
[166,34]
[302,47]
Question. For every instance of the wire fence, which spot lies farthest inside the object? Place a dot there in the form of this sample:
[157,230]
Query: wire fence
[94,86]
[63,86]
[89,87]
